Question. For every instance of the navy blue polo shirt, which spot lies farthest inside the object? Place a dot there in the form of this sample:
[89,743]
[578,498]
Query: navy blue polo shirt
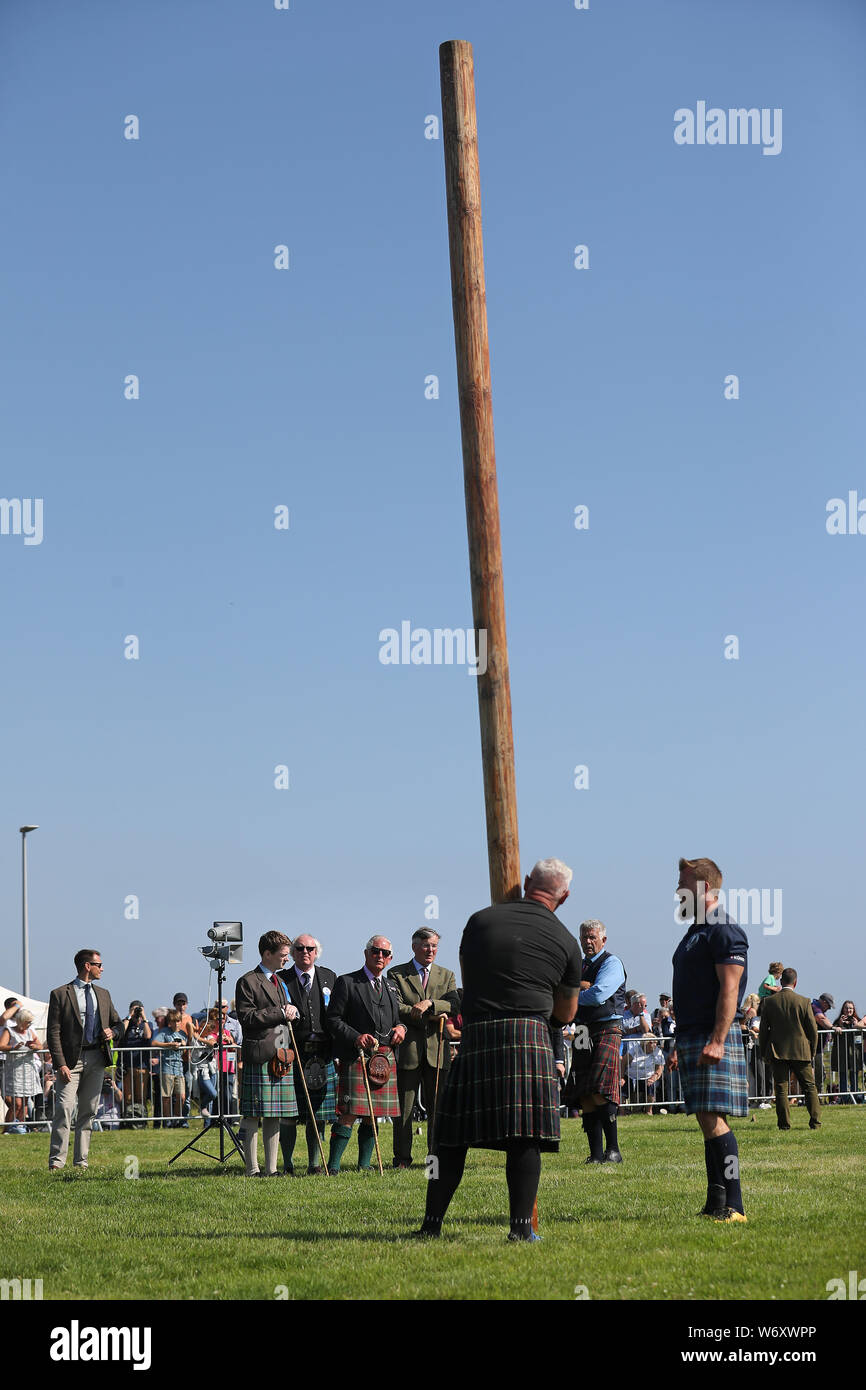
[719,941]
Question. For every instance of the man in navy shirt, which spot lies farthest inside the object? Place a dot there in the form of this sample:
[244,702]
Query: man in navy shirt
[709,984]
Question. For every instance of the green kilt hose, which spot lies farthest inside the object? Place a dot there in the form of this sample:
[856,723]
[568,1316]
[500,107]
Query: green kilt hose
[323,1101]
[352,1097]
[595,1068]
[502,1085]
[261,1095]
[720,1089]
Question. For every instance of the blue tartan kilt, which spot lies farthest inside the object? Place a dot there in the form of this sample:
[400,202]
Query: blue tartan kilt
[501,1086]
[263,1096]
[721,1089]
[324,1102]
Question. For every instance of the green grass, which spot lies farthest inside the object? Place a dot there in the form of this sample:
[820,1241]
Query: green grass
[196,1231]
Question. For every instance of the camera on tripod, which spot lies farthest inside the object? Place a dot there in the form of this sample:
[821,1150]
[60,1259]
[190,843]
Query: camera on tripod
[226,948]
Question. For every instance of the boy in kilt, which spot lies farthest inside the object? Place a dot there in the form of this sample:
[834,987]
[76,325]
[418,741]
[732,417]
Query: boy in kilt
[595,1076]
[709,984]
[520,966]
[263,1007]
[363,1016]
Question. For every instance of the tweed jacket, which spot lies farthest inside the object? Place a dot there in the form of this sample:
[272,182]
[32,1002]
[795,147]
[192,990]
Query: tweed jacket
[65,1034]
[422,1038]
[259,1007]
[788,1028]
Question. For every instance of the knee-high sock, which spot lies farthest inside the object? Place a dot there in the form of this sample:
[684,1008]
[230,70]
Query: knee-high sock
[728,1160]
[522,1173]
[608,1124]
[271,1140]
[449,1169]
[251,1144]
[288,1136]
[340,1136]
[366,1144]
[592,1129]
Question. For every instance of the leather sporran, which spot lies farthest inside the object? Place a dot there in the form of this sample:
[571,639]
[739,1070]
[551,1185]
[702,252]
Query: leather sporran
[378,1070]
[280,1064]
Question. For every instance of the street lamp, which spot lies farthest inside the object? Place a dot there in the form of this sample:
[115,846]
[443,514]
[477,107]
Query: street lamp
[25,831]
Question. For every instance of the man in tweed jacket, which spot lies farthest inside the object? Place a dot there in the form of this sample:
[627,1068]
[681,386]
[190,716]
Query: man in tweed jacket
[788,1038]
[428,993]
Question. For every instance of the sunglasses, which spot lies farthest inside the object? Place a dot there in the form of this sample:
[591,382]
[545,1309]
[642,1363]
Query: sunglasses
[378,951]
[304,948]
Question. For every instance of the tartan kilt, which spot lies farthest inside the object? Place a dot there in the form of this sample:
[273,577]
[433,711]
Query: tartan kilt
[502,1085]
[721,1089]
[262,1096]
[352,1094]
[324,1102]
[595,1068]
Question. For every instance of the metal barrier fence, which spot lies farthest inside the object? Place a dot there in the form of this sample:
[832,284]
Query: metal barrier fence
[133,1091]
[648,1085]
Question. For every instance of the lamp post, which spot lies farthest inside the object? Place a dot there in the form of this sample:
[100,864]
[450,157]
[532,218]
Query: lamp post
[25,945]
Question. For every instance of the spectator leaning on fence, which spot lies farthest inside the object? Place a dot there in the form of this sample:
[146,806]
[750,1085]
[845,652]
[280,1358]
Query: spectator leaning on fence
[170,1040]
[819,1009]
[846,1052]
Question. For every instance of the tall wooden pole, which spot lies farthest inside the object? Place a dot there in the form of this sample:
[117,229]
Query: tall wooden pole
[463,188]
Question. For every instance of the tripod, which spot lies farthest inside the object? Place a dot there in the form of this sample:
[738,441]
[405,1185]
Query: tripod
[220,1122]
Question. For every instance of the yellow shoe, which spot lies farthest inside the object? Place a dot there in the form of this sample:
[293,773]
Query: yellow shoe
[728,1214]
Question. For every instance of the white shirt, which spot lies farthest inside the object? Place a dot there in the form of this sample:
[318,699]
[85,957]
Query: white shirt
[311,972]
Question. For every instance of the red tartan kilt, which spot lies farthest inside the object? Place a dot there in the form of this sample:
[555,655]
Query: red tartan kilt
[352,1094]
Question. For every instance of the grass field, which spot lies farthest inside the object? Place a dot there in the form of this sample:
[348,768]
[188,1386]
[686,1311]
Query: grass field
[196,1232]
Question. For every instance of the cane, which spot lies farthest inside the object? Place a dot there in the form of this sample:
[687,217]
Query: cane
[309,1102]
[372,1116]
[431,1128]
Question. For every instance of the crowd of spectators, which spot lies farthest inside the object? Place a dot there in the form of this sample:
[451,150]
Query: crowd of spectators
[168,1064]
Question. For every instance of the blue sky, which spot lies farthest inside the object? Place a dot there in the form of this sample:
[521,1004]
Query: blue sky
[305,388]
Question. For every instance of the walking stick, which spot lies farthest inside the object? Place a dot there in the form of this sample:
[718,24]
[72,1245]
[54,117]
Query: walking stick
[307,1095]
[372,1116]
[431,1128]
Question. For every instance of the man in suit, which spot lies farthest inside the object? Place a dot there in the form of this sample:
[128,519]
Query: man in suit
[364,1016]
[263,1009]
[788,1038]
[81,1017]
[310,987]
[428,993]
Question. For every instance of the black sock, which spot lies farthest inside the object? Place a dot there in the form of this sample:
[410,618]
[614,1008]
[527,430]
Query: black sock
[608,1123]
[592,1129]
[728,1164]
[448,1167]
[522,1173]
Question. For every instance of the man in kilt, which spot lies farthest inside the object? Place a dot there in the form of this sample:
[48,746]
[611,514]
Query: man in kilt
[595,1077]
[709,984]
[364,1017]
[309,987]
[520,966]
[263,1007]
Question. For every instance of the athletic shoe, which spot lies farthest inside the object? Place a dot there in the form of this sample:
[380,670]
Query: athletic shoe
[612,1156]
[423,1234]
[728,1214]
[525,1240]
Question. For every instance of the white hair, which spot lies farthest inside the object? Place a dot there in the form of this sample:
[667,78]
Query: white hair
[594,922]
[551,876]
[378,937]
[23,1018]
[315,941]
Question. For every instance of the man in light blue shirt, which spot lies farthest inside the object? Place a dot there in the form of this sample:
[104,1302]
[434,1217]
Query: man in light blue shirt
[595,1071]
